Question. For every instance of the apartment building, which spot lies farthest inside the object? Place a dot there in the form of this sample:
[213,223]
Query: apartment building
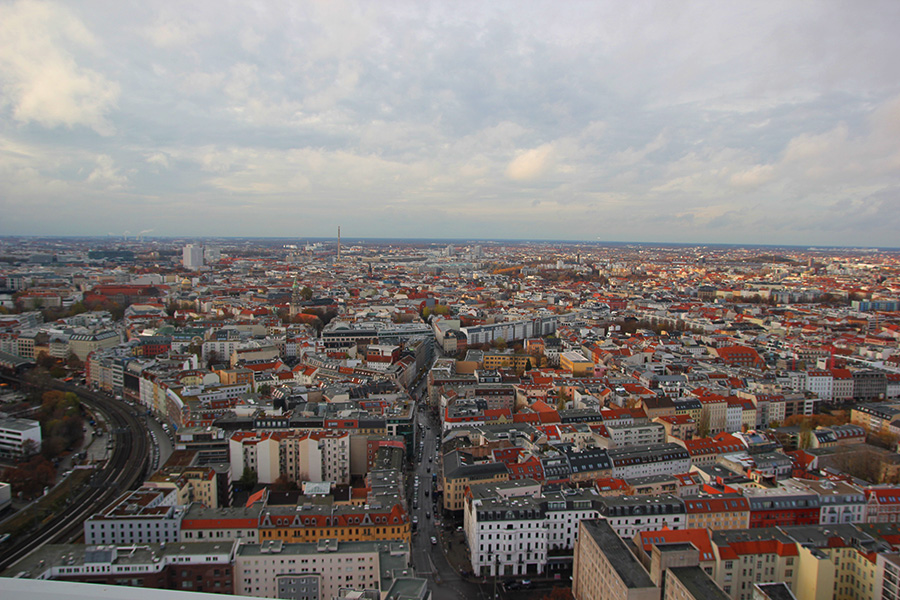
[17,435]
[314,522]
[629,515]
[651,459]
[325,569]
[195,567]
[721,511]
[459,471]
[605,568]
[513,535]
[315,456]
[201,523]
[143,516]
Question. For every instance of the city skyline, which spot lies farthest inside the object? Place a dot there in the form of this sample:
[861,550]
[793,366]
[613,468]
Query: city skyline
[689,124]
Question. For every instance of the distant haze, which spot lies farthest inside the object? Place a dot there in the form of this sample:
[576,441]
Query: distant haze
[697,122]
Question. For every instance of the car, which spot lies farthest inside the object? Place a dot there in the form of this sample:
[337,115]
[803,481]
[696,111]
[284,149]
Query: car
[433,540]
[428,515]
[426,493]
[428,470]
[526,582]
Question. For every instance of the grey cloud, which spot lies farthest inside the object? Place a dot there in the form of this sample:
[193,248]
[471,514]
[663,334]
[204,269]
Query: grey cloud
[701,121]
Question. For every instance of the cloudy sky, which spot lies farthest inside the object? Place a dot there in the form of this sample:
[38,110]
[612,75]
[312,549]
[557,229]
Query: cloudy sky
[747,122]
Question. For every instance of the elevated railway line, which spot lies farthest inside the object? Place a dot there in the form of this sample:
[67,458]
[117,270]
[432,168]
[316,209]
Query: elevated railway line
[125,468]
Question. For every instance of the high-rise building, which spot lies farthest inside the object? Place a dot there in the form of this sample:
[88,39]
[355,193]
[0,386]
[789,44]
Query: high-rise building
[192,257]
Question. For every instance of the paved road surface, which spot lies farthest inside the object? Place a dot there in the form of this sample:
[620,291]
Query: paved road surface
[429,560]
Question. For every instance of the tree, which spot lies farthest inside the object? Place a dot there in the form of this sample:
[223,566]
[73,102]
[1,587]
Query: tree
[703,425]
[558,593]
[863,462]
[74,363]
[528,366]
[806,436]
[249,479]
[212,358]
[195,348]
[45,361]
[265,390]
[500,343]
[561,399]
[283,484]
[306,293]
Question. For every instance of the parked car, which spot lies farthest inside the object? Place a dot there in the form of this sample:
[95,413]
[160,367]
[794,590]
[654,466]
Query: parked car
[433,540]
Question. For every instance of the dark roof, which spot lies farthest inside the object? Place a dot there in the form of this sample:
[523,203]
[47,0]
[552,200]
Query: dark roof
[627,567]
[697,583]
[776,591]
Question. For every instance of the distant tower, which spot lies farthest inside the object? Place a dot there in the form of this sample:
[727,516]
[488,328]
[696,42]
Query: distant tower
[339,243]
[295,298]
[192,257]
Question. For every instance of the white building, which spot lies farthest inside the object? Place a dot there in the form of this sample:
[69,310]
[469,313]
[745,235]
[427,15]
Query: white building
[640,434]
[257,452]
[820,383]
[192,257]
[15,433]
[142,516]
[839,501]
[513,535]
[656,459]
[629,515]
[506,536]
[274,569]
[316,456]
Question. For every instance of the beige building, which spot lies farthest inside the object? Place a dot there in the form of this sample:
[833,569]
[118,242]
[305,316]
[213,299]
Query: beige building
[691,583]
[82,345]
[713,416]
[193,484]
[316,456]
[727,511]
[605,569]
[325,569]
[459,472]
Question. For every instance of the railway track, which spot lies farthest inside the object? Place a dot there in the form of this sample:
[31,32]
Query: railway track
[124,470]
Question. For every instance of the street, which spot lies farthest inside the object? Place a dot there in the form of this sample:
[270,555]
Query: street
[429,559]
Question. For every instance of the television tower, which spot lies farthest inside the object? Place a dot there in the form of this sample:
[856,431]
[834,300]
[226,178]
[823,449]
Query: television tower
[339,244]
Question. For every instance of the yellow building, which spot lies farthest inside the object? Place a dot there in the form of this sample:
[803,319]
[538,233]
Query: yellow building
[576,364]
[727,511]
[191,484]
[460,471]
[497,360]
[311,523]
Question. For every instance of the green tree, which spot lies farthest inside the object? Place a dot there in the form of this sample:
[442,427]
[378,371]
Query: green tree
[249,479]
[500,343]
[306,293]
[265,390]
